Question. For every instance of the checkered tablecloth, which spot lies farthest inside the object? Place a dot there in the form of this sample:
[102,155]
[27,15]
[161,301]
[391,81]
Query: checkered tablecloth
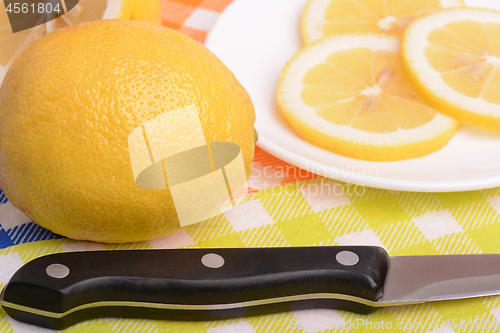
[291,207]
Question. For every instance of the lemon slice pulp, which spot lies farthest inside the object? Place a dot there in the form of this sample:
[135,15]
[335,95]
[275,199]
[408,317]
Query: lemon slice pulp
[322,18]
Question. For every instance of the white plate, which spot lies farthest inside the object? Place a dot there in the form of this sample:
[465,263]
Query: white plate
[255,38]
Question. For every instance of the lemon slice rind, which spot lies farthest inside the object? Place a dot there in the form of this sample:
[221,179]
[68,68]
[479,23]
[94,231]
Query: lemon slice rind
[472,110]
[356,143]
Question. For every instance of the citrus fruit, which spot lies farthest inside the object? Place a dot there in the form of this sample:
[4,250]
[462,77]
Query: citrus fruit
[349,94]
[322,18]
[453,58]
[85,10]
[70,106]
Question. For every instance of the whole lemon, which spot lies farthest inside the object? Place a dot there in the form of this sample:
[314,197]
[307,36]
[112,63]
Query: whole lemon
[68,105]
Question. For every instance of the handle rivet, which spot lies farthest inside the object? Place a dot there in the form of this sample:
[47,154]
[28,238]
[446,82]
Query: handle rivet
[212,260]
[347,258]
[57,271]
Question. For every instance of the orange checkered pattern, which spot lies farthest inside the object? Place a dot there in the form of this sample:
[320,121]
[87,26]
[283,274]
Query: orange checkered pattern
[192,17]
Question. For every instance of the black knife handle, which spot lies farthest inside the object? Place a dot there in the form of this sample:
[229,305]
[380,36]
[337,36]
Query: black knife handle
[194,284]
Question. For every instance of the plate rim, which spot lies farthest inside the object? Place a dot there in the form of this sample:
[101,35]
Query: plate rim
[392,184]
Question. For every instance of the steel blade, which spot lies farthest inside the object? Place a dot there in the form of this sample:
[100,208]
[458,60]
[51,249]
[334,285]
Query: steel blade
[416,279]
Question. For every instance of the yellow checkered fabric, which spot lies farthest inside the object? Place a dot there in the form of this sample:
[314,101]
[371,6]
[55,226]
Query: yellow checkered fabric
[324,212]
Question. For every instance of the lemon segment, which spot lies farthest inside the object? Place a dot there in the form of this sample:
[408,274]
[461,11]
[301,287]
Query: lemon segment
[349,94]
[322,18]
[86,10]
[453,58]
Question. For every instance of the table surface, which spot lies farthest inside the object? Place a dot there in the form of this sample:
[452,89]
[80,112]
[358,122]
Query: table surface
[287,206]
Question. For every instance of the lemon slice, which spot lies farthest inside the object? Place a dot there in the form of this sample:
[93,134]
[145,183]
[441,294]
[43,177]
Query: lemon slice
[322,18]
[349,94]
[453,57]
[86,10]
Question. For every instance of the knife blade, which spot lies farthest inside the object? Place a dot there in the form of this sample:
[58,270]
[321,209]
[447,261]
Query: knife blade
[59,290]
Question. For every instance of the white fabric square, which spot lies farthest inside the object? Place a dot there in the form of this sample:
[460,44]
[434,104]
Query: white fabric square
[11,217]
[10,263]
[435,225]
[202,19]
[241,327]
[174,241]
[317,320]
[496,313]
[495,202]
[248,215]
[365,237]
[325,195]
[265,177]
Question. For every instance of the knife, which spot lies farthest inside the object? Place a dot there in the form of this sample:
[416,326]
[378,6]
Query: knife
[59,290]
